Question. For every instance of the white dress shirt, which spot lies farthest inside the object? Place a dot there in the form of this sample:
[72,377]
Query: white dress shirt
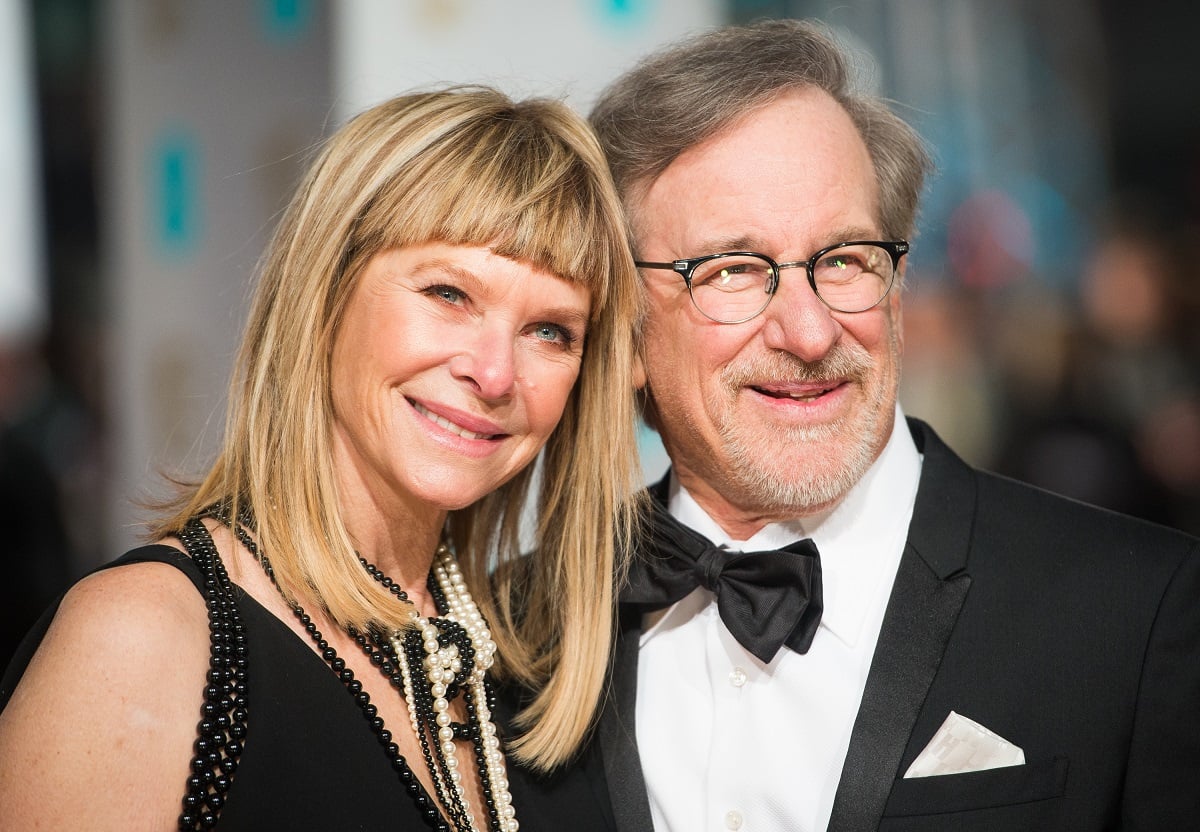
[730,743]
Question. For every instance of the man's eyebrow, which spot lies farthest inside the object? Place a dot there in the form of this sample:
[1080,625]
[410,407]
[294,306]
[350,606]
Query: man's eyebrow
[717,245]
[852,232]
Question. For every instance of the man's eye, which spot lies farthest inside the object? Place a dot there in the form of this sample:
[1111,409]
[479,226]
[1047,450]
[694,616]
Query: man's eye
[730,277]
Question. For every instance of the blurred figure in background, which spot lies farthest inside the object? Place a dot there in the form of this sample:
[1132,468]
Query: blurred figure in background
[35,554]
[1110,414]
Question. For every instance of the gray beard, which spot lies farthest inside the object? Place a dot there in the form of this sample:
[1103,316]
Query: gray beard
[823,478]
[808,488]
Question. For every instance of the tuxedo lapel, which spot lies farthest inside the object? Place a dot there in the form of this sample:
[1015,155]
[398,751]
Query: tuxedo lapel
[617,730]
[931,585]
[618,725]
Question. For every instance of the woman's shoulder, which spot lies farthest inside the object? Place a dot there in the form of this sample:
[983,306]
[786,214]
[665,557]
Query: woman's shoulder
[134,625]
[111,696]
[145,602]
[152,599]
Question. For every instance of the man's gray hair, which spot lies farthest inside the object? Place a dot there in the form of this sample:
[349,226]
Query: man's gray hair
[681,96]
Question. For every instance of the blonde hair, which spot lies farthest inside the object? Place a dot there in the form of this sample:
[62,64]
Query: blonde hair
[459,166]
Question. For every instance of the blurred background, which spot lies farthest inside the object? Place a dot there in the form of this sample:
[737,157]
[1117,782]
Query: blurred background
[146,147]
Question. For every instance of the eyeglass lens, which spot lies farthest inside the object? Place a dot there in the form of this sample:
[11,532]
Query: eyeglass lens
[735,287]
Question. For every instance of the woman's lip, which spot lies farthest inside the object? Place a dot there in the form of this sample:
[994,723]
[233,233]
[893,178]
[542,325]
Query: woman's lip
[456,421]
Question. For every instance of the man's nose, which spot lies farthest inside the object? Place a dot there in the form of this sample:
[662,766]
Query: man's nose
[797,321]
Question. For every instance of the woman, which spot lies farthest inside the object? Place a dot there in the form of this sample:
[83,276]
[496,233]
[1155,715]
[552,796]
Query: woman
[418,335]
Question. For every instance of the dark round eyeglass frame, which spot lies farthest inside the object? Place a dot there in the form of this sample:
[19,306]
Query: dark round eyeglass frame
[685,269]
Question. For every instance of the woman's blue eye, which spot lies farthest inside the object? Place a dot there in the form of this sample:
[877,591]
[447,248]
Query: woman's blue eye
[554,333]
[446,293]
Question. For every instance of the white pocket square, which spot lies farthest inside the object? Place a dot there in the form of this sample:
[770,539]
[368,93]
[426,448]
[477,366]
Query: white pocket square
[963,745]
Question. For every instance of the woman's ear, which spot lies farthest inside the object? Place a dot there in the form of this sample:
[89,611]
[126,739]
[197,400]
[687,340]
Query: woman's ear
[639,372]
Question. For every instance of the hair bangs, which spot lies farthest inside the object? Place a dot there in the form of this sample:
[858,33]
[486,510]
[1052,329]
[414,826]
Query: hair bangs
[508,184]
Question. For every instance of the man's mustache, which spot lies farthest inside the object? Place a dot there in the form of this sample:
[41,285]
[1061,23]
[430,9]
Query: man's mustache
[845,362]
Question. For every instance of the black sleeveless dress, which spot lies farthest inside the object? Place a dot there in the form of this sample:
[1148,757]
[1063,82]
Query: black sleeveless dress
[312,763]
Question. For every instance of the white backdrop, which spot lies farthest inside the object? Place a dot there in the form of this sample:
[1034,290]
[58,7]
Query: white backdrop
[562,48]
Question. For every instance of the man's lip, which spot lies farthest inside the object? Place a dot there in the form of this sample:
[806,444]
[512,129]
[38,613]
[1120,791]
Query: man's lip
[800,392]
[457,421]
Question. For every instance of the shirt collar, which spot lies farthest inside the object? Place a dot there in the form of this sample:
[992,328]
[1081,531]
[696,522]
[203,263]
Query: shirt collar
[860,540]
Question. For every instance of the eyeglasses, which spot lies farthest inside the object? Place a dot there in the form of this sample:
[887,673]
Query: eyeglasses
[735,286]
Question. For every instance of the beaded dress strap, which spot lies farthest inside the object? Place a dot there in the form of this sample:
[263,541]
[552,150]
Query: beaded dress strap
[221,731]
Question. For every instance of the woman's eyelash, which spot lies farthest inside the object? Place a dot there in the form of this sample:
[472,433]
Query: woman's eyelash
[566,336]
[450,294]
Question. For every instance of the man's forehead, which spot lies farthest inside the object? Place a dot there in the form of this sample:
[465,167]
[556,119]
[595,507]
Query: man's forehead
[792,175]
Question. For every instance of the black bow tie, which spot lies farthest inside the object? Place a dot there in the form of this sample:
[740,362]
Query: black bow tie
[765,599]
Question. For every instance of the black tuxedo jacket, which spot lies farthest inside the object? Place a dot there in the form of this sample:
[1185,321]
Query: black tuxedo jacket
[1070,631]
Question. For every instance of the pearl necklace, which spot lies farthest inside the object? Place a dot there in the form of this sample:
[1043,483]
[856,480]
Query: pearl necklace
[443,665]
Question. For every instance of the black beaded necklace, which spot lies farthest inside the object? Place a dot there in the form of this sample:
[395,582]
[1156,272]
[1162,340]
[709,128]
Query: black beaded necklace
[218,749]
[222,727]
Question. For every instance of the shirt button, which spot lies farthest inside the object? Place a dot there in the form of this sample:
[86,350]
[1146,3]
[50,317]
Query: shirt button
[737,678]
[733,819]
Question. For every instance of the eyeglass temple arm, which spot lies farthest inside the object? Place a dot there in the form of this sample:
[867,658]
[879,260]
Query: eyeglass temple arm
[675,266]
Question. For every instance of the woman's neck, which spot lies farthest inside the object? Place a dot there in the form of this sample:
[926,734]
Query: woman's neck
[400,542]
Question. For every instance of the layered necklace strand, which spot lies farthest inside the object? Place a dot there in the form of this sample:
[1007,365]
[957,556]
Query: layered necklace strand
[454,652]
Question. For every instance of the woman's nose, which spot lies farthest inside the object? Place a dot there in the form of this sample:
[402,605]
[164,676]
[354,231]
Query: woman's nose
[488,363]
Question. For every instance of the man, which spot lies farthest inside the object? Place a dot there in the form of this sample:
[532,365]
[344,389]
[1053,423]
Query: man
[1056,646]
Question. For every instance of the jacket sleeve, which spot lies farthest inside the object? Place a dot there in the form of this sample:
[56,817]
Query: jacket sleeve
[1162,781]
